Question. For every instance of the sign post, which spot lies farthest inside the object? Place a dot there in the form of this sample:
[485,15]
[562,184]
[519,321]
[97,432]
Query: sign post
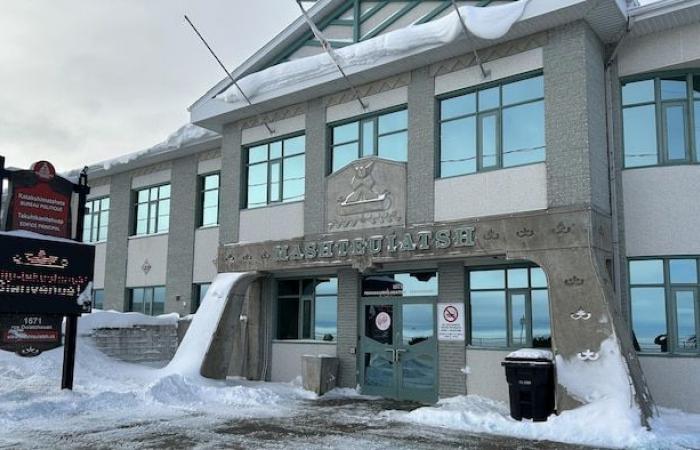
[44,279]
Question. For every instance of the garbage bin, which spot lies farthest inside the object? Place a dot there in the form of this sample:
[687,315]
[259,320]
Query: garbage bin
[319,373]
[530,376]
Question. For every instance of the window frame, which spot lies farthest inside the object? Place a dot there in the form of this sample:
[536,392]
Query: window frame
[94,298]
[152,290]
[670,305]
[374,115]
[508,294]
[478,115]
[246,166]
[136,204]
[197,295]
[202,195]
[692,157]
[97,215]
[300,308]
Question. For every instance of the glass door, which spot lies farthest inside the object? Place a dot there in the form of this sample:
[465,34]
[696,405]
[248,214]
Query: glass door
[377,354]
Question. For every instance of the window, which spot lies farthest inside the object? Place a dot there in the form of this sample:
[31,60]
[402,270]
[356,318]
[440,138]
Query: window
[200,291]
[416,284]
[147,300]
[209,200]
[493,127]
[307,309]
[153,210]
[664,304]
[383,135]
[96,221]
[276,172]
[509,308]
[98,298]
[661,120]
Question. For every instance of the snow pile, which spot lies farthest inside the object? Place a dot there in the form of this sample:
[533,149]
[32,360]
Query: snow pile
[486,23]
[191,352]
[113,319]
[531,353]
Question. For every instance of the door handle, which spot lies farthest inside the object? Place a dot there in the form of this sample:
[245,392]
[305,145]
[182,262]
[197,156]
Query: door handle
[398,352]
[393,354]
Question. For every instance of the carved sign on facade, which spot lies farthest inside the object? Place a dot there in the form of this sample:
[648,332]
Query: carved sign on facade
[367,193]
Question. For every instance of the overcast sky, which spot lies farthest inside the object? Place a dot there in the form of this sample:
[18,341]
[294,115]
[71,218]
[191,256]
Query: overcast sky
[86,80]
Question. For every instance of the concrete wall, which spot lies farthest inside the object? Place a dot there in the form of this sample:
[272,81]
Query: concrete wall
[284,221]
[658,51]
[376,102]
[486,376]
[503,191]
[673,381]
[138,344]
[285,364]
[206,247]
[451,358]
[660,218]
[117,242]
[100,261]
[154,250]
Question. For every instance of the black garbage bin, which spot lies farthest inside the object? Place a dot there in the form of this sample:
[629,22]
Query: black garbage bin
[530,377]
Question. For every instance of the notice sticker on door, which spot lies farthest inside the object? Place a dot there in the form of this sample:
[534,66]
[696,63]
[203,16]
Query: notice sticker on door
[451,321]
[383,321]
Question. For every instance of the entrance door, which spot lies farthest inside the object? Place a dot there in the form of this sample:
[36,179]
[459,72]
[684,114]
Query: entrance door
[398,348]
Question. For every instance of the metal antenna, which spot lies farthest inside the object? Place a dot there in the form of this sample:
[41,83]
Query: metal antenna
[485,73]
[235,82]
[326,46]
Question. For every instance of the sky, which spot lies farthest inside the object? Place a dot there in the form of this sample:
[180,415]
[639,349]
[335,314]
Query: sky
[82,81]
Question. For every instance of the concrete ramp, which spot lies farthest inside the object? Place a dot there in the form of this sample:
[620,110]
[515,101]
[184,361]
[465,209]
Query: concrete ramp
[207,345]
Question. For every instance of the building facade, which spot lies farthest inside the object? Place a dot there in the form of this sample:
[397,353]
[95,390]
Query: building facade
[546,198]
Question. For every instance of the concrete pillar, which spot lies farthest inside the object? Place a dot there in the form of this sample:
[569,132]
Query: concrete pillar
[348,301]
[452,355]
[420,195]
[118,241]
[316,168]
[183,220]
[231,194]
[574,86]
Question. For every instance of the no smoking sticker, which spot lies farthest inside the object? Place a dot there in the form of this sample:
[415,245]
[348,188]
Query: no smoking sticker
[451,321]
[450,314]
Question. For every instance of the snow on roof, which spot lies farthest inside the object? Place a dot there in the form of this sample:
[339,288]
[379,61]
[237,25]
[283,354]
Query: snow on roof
[486,23]
[186,135]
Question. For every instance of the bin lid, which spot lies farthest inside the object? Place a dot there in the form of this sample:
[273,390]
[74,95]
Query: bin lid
[531,354]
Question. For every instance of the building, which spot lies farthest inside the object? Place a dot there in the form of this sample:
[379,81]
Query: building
[549,193]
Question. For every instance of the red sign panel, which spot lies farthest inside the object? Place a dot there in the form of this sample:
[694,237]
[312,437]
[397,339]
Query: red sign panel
[40,201]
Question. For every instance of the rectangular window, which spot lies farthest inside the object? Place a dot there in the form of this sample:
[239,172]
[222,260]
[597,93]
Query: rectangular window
[307,309]
[96,220]
[152,210]
[664,304]
[200,291]
[660,120]
[509,308]
[485,129]
[383,135]
[98,298]
[147,300]
[209,200]
[276,172]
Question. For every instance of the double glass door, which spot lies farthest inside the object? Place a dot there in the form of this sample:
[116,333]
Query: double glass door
[398,348]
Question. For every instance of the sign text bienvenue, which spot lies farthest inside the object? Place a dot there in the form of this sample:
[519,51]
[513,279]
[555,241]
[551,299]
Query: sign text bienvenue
[376,245]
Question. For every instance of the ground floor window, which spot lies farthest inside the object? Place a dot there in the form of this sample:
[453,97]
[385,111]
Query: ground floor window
[664,304]
[509,308]
[200,291]
[307,309]
[98,298]
[147,300]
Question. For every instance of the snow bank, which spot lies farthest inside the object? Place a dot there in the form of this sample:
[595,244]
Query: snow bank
[191,352]
[113,319]
[487,23]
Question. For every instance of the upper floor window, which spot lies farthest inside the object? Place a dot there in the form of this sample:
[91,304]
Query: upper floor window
[147,300]
[307,309]
[152,210]
[383,135]
[209,199]
[661,120]
[664,304]
[276,172]
[509,308]
[96,221]
[492,127]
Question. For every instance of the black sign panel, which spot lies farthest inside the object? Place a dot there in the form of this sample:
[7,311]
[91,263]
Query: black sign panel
[45,276]
[30,334]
